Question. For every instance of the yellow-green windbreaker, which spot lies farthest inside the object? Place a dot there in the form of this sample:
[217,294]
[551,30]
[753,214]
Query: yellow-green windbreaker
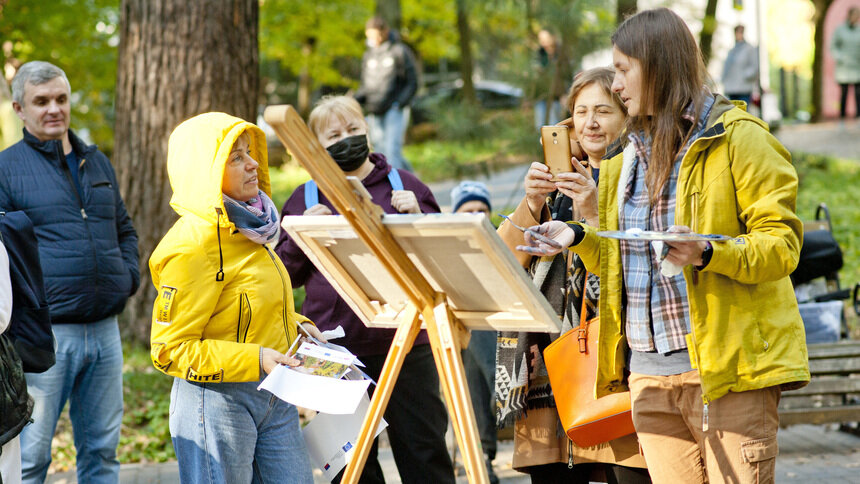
[205,329]
[736,180]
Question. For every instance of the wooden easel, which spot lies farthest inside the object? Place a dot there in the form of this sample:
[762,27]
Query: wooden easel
[447,335]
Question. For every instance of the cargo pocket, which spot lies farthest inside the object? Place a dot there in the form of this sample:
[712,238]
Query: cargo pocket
[759,457]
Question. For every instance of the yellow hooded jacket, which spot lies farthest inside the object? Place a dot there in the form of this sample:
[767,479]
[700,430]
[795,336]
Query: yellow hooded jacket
[205,327]
[736,180]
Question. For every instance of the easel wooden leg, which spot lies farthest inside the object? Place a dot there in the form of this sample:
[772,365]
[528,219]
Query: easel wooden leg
[400,347]
[445,334]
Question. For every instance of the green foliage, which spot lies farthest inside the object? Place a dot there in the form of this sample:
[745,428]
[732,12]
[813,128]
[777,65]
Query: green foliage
[430,28]
[334,28]
[470,142]
[836,183]
[285,179]
[145,434]
[80,36]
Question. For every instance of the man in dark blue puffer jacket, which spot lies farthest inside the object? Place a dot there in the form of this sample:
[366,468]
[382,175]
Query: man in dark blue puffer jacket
[88,251]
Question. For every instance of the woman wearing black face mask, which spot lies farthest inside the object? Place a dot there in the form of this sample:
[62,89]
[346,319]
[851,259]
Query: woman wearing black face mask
[416,416]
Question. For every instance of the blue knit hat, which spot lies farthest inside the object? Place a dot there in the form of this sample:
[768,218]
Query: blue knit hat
[467,191]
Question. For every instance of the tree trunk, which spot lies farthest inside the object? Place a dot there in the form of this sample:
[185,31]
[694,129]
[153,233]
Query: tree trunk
[821,7]
[709,25]
[624,9]
[465,52]
[177,59]
[390,11]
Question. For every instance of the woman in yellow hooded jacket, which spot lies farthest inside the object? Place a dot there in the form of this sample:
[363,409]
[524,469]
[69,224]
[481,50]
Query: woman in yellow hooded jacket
[224,316]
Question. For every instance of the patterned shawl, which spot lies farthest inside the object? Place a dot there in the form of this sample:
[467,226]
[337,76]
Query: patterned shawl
[521,378]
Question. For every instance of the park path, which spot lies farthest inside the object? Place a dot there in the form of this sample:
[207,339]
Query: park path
[807,453]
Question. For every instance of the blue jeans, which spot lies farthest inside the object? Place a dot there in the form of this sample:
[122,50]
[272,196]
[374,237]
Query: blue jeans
[540,113]
[231,433]
[88,373]
[386,135]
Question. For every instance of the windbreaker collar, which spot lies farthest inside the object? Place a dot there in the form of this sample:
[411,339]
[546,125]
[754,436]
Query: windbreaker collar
[49,148]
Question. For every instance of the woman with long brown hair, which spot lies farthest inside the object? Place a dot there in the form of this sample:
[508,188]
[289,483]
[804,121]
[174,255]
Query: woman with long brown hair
[705,333]
[525,397]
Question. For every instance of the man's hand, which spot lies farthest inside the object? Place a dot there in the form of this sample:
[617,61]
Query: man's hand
[318,209]
[404,201]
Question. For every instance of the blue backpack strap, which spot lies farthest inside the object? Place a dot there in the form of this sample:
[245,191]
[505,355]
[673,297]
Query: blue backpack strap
[312,194]
[394,179]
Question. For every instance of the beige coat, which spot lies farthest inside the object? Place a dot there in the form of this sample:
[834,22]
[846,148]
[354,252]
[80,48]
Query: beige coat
[536,438]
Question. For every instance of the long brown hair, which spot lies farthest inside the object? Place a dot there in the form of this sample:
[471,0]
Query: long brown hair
[673,76]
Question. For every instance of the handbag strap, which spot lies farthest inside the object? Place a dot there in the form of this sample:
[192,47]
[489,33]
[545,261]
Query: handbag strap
[582,330]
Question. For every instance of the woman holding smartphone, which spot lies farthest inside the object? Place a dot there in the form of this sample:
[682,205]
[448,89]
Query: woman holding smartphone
[540,450]
[687,331]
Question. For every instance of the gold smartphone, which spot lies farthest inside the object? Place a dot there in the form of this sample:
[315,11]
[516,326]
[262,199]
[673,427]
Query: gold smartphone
[556,149]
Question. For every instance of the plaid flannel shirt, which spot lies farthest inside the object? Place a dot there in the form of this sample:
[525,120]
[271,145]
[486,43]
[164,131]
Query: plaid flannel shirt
[657,309]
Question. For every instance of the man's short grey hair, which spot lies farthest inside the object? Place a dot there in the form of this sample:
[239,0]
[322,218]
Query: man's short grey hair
[35,73]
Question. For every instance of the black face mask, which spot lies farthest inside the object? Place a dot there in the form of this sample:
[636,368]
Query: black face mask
[350,153]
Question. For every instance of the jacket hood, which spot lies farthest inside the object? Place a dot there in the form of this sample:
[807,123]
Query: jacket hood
[196,155]
[723,112]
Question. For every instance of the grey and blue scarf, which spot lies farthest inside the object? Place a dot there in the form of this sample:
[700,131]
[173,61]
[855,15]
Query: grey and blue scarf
[260,226]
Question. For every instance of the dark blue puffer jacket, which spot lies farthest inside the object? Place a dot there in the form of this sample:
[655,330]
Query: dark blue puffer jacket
[87,244]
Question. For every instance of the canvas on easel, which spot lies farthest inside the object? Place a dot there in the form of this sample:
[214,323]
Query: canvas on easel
[424,301]
[460,255]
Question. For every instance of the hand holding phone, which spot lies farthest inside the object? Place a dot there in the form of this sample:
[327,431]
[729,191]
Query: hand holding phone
[556,149]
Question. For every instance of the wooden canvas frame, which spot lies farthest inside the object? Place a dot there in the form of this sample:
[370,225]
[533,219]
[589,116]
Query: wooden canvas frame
[460,255]
[447,334]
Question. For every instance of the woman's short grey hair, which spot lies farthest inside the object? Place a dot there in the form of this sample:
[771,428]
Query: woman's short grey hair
[35,73]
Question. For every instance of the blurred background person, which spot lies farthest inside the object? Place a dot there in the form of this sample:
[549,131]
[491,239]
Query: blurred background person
[740,71]
[540,448]
[388,84]
[845,45]
[417,419]
[479,358]
[553,73]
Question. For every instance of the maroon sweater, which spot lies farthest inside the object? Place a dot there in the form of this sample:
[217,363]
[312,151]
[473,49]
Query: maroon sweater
[322,304]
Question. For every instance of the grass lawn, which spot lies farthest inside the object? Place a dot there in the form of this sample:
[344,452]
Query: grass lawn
[145,434]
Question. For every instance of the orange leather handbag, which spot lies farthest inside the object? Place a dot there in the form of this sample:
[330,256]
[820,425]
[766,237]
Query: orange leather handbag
[571,363]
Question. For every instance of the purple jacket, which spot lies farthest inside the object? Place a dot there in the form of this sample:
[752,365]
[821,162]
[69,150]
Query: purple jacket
[322,304]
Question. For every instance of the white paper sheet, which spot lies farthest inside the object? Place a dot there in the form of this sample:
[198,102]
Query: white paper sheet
[334,333]
[327,395]
[331,439]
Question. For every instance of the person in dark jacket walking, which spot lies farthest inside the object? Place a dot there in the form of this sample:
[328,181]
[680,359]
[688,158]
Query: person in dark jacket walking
[415,414]
[88,251]
[388,83]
